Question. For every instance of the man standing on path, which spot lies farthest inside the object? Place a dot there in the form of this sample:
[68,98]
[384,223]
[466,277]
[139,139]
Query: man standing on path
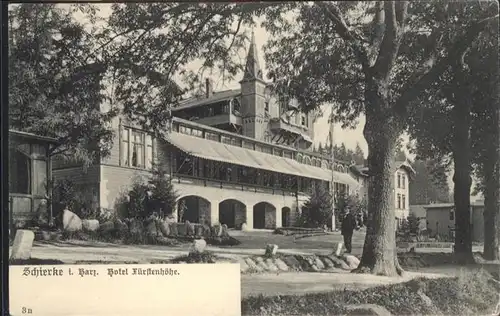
[347,229]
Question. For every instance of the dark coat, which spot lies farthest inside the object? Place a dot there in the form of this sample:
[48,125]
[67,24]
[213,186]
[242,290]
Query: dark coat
[348,224]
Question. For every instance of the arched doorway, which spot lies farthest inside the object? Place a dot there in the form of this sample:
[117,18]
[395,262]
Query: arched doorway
[285,216]
[194,209]
[264,216]
[232,213]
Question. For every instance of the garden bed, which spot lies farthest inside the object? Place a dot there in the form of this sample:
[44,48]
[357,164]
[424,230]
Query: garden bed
[469,294]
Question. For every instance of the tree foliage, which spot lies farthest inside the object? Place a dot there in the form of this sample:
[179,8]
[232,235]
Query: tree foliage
[56,80]
[429,185]
[451,123]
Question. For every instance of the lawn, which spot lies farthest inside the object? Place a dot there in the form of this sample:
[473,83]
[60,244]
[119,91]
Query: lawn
[259,240]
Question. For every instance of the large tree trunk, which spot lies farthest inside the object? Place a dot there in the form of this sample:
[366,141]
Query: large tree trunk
[462,175]
[381,132]
[491,193]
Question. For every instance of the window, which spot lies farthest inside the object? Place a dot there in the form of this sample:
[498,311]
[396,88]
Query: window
[399,181]
[19,174]
[304,120]
[452,215]
[399,201]
[266,107]
[136,149]
[403,201]
[403,179]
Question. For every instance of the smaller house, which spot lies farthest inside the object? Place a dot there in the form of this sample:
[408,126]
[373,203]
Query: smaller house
[403,173]
[29,169]
[441,220]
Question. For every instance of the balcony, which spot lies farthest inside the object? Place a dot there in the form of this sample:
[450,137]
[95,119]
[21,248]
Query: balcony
[281,126]
[220,119]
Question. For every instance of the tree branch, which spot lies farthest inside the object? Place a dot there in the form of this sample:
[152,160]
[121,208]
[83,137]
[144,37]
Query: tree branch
[430,70]
[378,31]
[392,38]
[354,40]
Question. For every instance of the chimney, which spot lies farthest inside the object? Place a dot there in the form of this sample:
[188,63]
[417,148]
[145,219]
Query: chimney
[209,90]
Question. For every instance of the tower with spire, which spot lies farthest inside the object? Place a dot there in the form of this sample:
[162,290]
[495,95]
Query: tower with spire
[253,100]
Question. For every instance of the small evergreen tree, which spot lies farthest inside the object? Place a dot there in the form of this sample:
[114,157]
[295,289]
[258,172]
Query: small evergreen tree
[163,195]
[318,210]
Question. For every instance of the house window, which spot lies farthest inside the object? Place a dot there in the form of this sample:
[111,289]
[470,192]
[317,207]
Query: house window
[403,179]
[304,122]
[399,181]
[452,215]
[403,201]
[136,149]
[266,107]
[399,201]
[20,171]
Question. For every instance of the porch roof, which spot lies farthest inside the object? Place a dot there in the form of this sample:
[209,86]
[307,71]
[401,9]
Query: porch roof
[213,150]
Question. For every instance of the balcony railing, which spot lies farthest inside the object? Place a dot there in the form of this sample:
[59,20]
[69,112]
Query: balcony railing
[280,124]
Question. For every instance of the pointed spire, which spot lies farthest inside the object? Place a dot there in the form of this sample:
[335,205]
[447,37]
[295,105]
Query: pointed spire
[252,67]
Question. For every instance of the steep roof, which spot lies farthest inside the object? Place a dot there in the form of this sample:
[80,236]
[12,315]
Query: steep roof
[252,66]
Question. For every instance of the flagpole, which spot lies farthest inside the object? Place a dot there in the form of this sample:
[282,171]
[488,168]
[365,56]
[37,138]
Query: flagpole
[332,157]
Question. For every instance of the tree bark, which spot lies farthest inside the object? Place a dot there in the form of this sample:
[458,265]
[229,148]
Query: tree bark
[381,132]
[491,178]
[462,173]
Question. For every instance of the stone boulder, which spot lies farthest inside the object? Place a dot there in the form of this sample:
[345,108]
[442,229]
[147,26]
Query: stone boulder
[198,230]
[271,250]
[252,265]
[136,227]
[170,219]
[23,243]
[319,264]
[271,266]
[281,265]
[151,228]
[173,229]
[352,261]
[292,263]
[189,229]
[90,225]
[328,263]
[339,263]
[181,229]
[224,231]
[164,228]
[71,222]
[244,227]
[207,231]
[367,309]
[106,227]
[198,246]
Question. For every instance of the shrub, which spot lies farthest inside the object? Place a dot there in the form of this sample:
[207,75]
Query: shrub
[318,209]
[154,196]
[78,198]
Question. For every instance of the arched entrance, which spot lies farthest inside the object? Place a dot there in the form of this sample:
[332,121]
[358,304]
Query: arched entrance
[232,213]
[285,216]
[194,209]
[264,216]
